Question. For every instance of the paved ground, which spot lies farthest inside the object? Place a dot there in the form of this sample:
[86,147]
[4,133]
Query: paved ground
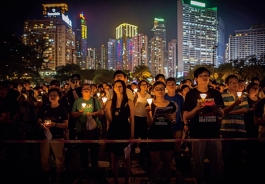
[16,167]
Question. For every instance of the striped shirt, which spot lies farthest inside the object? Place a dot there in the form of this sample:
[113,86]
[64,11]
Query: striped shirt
[233,122]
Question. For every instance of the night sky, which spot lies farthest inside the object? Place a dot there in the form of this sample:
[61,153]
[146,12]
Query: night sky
[103,16]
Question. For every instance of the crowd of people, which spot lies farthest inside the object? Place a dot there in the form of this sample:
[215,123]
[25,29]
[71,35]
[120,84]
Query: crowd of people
[201,108]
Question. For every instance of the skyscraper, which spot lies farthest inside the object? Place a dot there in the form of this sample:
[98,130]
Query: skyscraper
[124,34]
[111,54]
[139,50]
[157,62]
[199,37]
[103,57]
[54,34]
[221,43]
[247,43]
[172,59]
[80,29]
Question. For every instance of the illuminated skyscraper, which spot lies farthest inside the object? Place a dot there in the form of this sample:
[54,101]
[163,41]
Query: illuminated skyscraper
[172,59]
[157,64]
[80,29]
[124,34]
[91,58]
[197,35]
[248,43]
[139,50]
[159,30]
[111,54]
[103,57]
[53,35]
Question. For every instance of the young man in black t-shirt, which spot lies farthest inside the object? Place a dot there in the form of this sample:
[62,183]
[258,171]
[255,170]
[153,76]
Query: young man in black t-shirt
[203,114]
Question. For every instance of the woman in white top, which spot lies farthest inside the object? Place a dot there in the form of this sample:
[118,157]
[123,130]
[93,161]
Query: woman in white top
[140,101]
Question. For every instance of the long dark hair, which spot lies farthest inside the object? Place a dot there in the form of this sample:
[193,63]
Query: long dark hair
[114,98]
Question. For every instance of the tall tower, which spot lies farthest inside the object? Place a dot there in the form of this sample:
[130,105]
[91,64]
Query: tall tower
[111,54]
[139,50]
[80,29]
[54,33]
[103,57]
[172,59]
[200,36]
[124,34]
[159,30]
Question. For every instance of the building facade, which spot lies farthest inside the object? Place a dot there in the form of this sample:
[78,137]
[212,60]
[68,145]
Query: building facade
[111,54]
[80,29]
[124,34]
[53,36]
[248,43]
[156,62]
[199,36]
[172,59]
[139,50]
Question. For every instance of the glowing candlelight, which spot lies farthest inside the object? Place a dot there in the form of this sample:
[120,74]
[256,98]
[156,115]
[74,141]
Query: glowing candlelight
[104,99]
[135,90]
[98,94]
[39,98]
[203,96]
[83,105]
[149,101]
[239,94]
[48,122]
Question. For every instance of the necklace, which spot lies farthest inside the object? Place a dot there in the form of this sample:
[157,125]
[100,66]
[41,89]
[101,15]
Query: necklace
[117,112]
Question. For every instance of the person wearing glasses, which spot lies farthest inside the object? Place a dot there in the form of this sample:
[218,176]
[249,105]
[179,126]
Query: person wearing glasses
[120,116]
[160,128]
[83,108]
[58,117]
[233,126]
[202,107]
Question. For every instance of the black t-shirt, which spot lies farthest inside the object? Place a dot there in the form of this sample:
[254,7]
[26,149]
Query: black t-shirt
[161,128]
[57,115]
[205,123]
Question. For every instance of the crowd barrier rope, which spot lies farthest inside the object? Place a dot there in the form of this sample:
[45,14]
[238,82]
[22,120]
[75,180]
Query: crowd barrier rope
[131,140]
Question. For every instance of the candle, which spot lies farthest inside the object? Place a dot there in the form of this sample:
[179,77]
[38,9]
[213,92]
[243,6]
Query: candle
[39,98]
[149,101]
[98,94]
[135,90]
[203,96]
[239,94]
[48,122]
[83,105]
[104,99]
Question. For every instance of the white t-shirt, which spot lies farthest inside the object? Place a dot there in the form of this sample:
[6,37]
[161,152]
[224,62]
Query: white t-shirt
[139,109]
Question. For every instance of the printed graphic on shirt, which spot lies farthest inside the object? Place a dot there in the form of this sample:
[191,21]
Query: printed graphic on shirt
[207,114]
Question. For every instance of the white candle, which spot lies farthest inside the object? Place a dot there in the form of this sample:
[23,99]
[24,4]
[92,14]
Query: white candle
[98,94]
[83,105]
[149,101]
[135,90]
[39,98]
[203,96]
[239,94]
[48,122]
[104,99]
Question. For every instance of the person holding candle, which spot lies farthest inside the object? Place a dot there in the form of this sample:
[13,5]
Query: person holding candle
[233,126]
[83,108]
[160,128]
[141,126]
[204,112]
[120,116]
[58,117]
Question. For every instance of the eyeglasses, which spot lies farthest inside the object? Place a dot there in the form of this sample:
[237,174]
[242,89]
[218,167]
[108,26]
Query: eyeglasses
[204,75]
[118,86]
[170,84]
[143,84]
[159,89]
[53,95]
[255,88]
[86,89]
[233,83]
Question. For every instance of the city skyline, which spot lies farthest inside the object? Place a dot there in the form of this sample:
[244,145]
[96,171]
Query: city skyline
[104,16]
